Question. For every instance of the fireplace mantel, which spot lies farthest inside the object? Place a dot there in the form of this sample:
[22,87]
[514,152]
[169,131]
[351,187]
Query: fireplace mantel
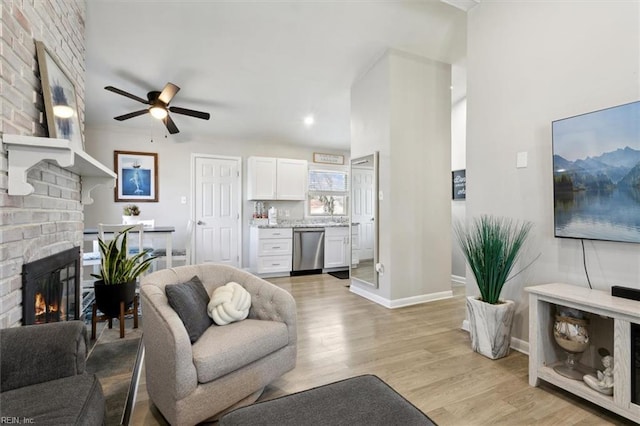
[25,152]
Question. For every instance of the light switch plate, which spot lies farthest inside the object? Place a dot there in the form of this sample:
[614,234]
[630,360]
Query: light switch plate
[183,200]
[521,160]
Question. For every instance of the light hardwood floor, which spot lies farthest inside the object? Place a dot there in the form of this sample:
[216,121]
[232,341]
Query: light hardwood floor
[420,351]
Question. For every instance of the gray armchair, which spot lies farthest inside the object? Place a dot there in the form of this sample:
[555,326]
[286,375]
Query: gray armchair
[43,378]
[228,366]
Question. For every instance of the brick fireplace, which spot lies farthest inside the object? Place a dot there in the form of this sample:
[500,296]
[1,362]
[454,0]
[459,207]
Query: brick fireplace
[51,288]
[50,220]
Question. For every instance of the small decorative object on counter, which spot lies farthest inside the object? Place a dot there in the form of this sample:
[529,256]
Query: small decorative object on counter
[571,334]
[259,211]
[604,382]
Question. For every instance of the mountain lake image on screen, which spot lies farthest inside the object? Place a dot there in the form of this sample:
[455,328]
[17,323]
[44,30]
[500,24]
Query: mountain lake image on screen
[596,175]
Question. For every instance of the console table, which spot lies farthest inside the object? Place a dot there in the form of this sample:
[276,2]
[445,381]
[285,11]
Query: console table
[610,318]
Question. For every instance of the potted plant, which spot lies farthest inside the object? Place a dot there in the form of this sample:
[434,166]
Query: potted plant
[118,273]
[129,214]
[491,248]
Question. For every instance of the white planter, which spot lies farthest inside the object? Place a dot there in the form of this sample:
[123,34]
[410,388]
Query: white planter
[490,326]
[130,220]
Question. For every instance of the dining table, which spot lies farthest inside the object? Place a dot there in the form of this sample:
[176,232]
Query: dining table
[91,234]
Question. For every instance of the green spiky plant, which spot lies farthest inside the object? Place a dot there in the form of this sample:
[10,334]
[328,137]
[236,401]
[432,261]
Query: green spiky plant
[491,248]
[115,266]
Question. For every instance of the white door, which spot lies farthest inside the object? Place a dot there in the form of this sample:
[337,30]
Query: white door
[363,205]
[217,186]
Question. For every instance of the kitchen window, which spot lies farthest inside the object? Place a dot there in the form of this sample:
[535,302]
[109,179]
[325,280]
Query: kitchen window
[327,191]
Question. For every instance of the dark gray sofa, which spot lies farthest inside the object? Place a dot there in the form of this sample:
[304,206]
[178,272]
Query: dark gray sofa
[43,379]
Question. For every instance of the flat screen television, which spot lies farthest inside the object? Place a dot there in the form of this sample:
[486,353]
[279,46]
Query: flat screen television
[596,175]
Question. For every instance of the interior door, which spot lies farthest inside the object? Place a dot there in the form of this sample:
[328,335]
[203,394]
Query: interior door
[217,184]
[363,209]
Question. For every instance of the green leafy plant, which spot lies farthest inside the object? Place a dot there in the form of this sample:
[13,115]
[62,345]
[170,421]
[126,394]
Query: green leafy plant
[491,248]
[115,266]
[131,210]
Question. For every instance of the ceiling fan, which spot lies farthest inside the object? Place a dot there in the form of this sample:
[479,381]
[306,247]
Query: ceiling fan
[159,106]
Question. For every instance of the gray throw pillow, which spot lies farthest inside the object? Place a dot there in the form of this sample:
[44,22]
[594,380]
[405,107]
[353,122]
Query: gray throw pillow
[190,300]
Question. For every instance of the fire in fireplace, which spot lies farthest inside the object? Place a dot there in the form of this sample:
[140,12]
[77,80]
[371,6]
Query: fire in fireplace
[51,288]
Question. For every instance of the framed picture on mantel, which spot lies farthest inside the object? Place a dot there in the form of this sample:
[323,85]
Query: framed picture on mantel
[60,101]
[137,176]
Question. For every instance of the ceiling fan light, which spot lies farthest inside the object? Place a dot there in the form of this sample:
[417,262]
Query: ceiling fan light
[158,112]
[63,111]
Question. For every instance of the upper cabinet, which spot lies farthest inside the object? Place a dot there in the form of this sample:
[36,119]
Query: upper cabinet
[276,179]
[261,178]
[292,179]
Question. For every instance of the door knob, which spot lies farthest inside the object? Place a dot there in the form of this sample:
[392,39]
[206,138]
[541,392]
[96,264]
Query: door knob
[200,223]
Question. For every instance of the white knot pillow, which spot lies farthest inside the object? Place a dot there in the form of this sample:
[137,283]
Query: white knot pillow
[229,303]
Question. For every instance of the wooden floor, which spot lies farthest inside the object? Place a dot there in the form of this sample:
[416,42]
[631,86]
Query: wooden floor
[420,351]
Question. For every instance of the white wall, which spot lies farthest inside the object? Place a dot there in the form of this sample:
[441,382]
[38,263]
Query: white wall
[402,108]
[530,63]
[458,161]
[174,164]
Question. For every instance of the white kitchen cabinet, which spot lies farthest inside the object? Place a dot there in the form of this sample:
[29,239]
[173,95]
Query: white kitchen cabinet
[261,178]
[292,179]
[270,178]
[336,247]
[270,251]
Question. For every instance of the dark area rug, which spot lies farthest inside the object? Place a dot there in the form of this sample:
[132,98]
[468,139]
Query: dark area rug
[113,360]
[361,400]
[343,275]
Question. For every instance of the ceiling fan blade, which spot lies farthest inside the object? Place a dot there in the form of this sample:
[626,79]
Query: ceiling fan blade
[171,126]
[168,93]
[131,115]
[190,112]
[127,94]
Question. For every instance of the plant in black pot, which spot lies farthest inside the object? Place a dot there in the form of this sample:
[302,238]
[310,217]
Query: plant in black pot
[491,247]
[118,273]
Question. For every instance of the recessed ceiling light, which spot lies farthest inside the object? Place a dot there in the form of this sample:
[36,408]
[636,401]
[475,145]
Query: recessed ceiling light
[309,120]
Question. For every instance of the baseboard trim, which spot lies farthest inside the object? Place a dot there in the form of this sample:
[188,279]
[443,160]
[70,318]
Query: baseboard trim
[465,325]
[400,303]
[423,298]
[458,280]
[519,345]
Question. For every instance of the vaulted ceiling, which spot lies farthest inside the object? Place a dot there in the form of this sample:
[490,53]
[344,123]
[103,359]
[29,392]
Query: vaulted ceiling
[258,67]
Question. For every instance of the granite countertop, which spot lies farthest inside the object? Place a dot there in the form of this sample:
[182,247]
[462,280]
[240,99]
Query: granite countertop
[283,224]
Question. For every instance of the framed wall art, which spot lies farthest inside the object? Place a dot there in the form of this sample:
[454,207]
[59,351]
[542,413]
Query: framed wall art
[137,176]
[60,99]
[319,157]
[459,184]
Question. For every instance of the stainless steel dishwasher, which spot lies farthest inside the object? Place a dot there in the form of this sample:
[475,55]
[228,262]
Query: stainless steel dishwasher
[308,250]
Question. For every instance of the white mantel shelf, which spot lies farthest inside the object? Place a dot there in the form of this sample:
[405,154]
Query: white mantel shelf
[25,152]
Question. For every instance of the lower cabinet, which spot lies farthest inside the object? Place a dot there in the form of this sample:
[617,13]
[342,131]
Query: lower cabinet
[336,247]
[270,250]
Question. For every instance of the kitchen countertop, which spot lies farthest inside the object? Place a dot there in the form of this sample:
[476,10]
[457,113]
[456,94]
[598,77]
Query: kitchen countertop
[304,225]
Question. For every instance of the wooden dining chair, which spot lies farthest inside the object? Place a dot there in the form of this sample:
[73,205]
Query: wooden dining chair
[183,255]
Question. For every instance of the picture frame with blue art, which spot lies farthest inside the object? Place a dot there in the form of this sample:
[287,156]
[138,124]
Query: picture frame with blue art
[137,179]
[59,98]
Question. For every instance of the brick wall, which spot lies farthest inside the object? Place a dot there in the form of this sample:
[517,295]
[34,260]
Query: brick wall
[51,219]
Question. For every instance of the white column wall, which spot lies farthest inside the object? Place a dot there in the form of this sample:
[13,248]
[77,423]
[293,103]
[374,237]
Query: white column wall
[402,108]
